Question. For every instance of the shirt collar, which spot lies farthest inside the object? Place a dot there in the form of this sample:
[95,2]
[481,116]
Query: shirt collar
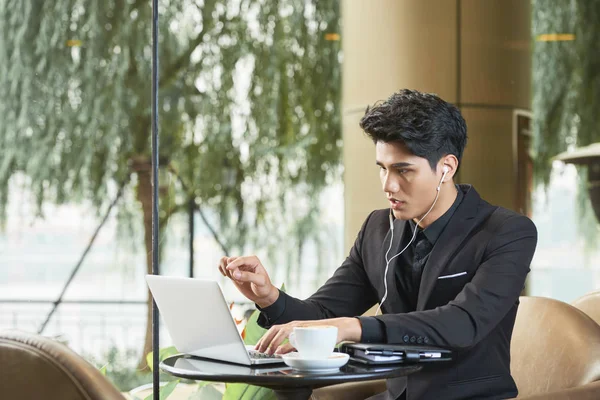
[433,231]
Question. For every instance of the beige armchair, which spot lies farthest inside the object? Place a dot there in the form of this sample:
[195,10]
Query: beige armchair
[555,355]
[555,351]
[589,304]
[35,367]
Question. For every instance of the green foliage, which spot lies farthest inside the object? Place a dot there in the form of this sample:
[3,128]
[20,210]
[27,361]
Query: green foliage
[165,391]
[118,368]
[249,105]
[206,391]
[239,391]
[566,92]
[566,79]
[162,354]
[252,331]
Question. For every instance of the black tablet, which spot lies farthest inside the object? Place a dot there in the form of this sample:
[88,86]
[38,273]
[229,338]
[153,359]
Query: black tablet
[373,353]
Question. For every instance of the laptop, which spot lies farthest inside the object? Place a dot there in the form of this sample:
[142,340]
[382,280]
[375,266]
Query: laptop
[190,365]
[199,321]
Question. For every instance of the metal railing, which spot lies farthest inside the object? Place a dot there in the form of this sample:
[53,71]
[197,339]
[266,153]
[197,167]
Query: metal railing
[92,328]
[89,327]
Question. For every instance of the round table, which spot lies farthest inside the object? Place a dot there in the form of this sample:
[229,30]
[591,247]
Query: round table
[285,381]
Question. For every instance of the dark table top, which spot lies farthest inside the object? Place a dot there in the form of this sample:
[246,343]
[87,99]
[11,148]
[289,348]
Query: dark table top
[278,375]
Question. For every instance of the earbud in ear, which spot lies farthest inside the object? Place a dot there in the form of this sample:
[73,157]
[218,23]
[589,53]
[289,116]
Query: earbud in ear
[446,170]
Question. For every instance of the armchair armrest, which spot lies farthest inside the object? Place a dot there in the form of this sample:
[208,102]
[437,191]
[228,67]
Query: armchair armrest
[590,391]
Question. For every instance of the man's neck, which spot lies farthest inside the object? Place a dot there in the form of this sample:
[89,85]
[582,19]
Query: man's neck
[442,205]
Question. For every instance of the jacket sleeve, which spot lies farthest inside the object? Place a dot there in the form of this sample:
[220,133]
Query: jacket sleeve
[483,302]
[347,293]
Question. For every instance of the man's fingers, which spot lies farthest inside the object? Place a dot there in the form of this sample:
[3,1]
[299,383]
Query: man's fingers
[265,340]
[244,270]
[223,267]
[230,259]
[222,264]
[246,276]
[277,340]
[238,262]
[285,348]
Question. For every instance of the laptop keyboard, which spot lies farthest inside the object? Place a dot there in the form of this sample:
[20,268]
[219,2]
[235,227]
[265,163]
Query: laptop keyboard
[259,355]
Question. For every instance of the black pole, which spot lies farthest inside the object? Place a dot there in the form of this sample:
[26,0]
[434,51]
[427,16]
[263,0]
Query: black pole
[191,226]
[155,271]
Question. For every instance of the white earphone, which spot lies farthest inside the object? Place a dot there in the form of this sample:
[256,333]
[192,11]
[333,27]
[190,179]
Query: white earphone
[387,261]
[445,170]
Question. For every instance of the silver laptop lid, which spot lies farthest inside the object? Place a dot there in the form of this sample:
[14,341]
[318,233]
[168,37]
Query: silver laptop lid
[198,318]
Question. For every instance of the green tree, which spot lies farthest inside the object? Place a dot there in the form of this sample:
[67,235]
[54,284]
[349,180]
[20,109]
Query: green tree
[249,109]
[566,78]
[566,90]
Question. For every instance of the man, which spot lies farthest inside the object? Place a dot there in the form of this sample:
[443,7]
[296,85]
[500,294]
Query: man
[446,266]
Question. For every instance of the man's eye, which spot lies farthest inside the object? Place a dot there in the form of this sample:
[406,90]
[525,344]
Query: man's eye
[402,171]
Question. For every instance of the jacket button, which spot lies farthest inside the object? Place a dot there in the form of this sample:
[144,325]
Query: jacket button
[406,339]
[413,339]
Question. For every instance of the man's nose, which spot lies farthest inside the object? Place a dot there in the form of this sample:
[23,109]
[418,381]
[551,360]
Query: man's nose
[389,184]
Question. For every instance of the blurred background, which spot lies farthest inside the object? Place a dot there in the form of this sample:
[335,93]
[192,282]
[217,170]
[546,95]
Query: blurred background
[260,148]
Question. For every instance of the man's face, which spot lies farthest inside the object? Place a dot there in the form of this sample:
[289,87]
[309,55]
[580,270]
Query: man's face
[407,180]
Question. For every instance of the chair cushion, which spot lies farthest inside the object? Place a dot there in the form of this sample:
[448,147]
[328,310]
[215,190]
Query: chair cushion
[589,304]
[35,367]
[554,346]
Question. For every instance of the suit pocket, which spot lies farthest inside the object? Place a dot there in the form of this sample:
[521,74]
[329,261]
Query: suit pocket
[447,288]
[452,276]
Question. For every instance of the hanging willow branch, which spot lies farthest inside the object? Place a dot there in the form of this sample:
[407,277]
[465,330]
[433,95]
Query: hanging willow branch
[566,79]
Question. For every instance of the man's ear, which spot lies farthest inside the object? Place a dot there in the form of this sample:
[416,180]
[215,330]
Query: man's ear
[449,162]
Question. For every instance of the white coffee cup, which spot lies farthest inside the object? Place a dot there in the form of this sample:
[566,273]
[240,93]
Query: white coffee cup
[314,342]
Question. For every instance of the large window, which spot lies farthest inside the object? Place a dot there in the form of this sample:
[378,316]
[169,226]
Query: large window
[250,146]
[566,95]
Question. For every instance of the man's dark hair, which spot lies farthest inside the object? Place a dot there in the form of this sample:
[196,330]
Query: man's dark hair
[427,125]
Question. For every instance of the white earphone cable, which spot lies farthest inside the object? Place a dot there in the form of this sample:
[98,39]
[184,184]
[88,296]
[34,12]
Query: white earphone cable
[387,262]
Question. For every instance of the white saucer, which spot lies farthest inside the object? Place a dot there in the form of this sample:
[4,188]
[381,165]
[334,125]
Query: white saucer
[329,364]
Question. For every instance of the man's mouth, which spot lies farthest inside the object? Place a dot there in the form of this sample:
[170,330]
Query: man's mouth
[395,203]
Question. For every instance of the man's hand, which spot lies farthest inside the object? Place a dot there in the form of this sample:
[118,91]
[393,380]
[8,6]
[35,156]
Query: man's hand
[251,279]
[349,329]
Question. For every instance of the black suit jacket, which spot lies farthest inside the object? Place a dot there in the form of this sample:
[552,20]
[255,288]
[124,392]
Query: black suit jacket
[472,313]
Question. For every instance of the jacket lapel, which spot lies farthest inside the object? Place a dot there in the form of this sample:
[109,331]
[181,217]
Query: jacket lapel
[458,229]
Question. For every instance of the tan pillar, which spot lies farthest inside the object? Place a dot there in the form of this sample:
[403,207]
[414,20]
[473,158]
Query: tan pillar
[470,52]
[495,82]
